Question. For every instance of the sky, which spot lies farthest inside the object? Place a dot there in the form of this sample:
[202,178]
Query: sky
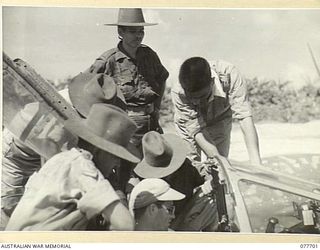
[60,42]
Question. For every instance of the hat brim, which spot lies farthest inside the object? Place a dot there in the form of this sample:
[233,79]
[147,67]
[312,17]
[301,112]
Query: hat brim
[82,100]
[130,24]
[129,153]
[180,150]
[76,95]
[170,195]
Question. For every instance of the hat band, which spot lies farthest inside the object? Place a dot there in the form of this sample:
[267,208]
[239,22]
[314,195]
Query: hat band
[117,138]
[161,160]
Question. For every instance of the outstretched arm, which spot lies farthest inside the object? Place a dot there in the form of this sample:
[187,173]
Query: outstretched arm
[251,139]
[208,147]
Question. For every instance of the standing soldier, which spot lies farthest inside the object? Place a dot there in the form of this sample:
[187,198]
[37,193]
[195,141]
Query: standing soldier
[137,70]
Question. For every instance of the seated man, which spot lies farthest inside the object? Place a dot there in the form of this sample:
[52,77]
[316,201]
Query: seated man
[44,136]
[151,205]
[20,159]
[72,186]
[165,157]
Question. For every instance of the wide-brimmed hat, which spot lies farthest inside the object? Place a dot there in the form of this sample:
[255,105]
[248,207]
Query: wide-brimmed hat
[87,89]
[162,155]
[152,190]
[130,17]
[108,128]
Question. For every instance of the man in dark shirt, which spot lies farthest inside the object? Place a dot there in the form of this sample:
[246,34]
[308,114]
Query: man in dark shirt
[165,158]
[137,70]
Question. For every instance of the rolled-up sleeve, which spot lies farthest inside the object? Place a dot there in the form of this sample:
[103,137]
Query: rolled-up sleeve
[100,65]
[97,191]
[238,96]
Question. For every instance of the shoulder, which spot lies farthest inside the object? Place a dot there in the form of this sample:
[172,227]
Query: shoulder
[109,53]
[221,66]
[147,50]
[178,95]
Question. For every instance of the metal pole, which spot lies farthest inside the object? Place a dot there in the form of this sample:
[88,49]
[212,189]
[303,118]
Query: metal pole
[313,59]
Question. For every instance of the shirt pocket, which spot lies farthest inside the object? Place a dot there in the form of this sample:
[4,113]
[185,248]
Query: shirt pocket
[124,72]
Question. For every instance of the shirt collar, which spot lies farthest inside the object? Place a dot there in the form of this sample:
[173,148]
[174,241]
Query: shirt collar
[120,54]
[217,89]
[86,154]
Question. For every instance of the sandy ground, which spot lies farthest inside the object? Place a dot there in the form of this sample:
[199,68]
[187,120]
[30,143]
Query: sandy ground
[279,139]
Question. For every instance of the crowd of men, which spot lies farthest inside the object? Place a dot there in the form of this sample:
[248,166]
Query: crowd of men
[113,168]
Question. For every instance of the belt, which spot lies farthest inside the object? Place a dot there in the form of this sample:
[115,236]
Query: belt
[141,110]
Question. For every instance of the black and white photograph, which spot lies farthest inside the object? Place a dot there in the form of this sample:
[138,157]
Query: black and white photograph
[161,119]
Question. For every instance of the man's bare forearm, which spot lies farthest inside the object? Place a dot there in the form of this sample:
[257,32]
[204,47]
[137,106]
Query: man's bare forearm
[251,139]
[207,146]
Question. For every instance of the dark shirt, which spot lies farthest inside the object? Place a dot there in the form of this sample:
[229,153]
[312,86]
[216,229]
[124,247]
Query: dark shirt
[184,180]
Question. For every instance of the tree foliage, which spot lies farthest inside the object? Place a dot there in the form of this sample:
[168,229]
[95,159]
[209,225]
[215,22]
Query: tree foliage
[270,101]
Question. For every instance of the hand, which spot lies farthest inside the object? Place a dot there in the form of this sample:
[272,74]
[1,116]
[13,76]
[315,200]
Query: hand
[155,121]
[134,181]
[205,198]
[206,188]
[209,165]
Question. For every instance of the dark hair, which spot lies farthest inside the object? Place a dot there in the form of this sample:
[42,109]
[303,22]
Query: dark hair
[121,27]
[194,74]
[85,145]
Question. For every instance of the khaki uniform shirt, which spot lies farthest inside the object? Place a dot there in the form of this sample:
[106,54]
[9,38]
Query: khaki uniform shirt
[213,115]
[64,195]
[139,79]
